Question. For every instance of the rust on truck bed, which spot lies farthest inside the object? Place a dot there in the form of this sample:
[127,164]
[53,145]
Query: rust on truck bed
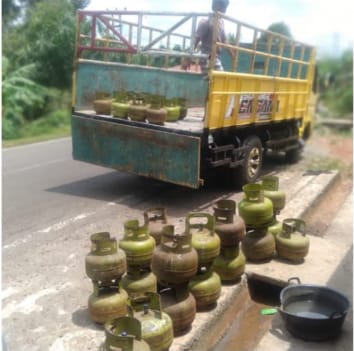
[134,150]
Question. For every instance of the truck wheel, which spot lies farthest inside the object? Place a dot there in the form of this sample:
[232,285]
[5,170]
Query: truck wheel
[293,155]
[251,168]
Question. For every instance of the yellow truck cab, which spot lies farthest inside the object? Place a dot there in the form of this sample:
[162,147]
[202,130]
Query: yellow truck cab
[128,61]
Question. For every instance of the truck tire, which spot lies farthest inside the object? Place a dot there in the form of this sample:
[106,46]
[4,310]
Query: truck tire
[293,156]
[251,168]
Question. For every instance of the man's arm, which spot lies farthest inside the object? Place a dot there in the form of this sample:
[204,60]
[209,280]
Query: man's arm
[196,41]
[199,33]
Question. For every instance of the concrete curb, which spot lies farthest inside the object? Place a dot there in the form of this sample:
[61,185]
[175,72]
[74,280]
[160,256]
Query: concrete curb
[309,193]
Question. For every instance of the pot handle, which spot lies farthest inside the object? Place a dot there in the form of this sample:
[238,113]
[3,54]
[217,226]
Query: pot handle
[336,315]
[296,279]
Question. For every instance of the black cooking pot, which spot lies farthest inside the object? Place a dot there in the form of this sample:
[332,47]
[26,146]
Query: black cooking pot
[313,312]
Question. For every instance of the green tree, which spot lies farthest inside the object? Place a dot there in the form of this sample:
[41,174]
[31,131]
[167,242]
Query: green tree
[80,4]
[50,34]
[19,93]
[41,32]
[336,83]
[10,11]
[281,28]
[38,44]
[277,27]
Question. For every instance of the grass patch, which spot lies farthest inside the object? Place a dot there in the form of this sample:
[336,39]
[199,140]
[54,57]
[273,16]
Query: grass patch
[324,164]
[322,130]
[54,125]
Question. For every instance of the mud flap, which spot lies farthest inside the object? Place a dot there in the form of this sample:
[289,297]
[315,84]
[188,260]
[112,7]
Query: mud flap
[157,154]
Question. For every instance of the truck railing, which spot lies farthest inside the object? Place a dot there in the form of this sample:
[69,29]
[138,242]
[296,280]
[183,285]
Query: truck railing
[120,35]
[265,46]
[127,32]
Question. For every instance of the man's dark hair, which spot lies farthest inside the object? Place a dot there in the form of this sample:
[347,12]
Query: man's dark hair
[220,5]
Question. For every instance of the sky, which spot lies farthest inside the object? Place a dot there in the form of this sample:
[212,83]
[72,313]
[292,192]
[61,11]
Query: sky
[326,24]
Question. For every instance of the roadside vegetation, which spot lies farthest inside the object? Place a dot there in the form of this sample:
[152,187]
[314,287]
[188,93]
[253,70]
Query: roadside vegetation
[38,48]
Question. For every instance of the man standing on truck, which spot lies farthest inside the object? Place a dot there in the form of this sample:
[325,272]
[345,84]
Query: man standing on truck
[204,35]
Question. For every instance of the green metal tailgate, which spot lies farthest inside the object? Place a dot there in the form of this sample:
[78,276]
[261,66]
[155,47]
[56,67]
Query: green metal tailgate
[157,154]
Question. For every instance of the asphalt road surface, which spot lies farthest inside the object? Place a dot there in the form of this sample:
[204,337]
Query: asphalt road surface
[43,189]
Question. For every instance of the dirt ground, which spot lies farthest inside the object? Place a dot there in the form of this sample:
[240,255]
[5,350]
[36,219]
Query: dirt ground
[329,150]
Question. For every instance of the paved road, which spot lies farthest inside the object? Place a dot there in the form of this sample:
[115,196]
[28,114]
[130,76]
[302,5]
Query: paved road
[44,188]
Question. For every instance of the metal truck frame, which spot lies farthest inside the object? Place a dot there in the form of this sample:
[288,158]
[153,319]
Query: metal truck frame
[262,101]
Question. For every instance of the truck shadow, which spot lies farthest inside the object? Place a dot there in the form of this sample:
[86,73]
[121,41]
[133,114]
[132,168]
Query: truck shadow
[140,192]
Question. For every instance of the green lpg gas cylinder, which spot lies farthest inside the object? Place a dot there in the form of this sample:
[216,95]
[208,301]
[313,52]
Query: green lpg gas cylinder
[105,262]
[137,244]
[174,261]
[155,219]
[270,186]
[172,109]
[205,287]
[275,227]
[180,305]
[107,302]
[137,281]
[182,103]
[230,264]
[155,114]
[157,326]
[204,239]
[292,243]
[120,109]
[120,104]
[137,109]
[124,334]
[102,103]
[258,245]
[231,229]
[255,209]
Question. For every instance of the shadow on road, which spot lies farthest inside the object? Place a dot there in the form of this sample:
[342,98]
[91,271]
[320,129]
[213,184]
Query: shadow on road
[135,191]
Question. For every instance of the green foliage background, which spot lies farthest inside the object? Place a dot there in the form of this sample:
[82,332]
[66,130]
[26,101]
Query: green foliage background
[38,48]
[336,84]
[37,58]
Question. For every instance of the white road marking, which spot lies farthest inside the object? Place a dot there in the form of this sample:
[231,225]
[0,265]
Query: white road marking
[29,303]
[18,242]
[8,292]
[53,227]
[62,224]
[53,141]
[59,225]
[38,165]
[72,339]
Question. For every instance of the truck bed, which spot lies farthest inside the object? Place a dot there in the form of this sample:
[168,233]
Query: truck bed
[192,123]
